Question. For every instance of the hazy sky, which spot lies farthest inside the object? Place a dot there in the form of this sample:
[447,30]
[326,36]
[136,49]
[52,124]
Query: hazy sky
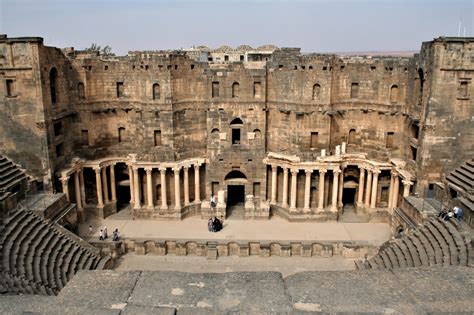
[313,25]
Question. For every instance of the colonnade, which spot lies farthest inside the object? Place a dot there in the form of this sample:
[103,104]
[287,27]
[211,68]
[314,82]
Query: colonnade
[366,195]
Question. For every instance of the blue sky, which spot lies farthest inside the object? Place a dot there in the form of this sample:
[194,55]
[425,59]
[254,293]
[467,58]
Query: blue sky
[313,25]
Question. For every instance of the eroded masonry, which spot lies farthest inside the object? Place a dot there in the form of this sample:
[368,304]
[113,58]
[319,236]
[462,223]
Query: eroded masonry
[267,131]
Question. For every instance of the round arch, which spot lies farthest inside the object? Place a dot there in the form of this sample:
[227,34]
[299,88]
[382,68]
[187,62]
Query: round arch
[235,175]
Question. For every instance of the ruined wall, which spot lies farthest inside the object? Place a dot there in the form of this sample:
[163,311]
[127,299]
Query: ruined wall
[447,134]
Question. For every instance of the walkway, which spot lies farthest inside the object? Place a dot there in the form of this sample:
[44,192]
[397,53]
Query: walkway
[275,229]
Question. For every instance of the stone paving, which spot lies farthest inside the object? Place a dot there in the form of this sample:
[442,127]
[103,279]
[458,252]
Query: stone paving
[276,229]
[409,291]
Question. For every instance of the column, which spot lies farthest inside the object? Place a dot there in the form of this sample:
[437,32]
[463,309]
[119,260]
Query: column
[322,172]
[113,188]
[396,187]
[360,195]
[341,186]
[307,189]
[177,201]
[375,187]
[335,188]
[149,187]
[294,174]
[284,202]
[104,185]
[136,188]
[197,188]
[98,182]
[406,187]
[132,184]
[274,184]
[64,181]
[368,188]
[83,189]
[164,205]
[77,190]
[186,185]
[390,190]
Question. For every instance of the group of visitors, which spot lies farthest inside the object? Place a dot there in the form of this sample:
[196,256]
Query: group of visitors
[446,214]
[103,235]
[214,224]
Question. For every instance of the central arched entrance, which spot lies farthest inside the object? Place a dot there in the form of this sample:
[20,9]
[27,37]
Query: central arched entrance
[235,181]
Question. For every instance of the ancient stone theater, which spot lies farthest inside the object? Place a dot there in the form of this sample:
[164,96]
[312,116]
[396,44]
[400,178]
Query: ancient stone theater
[246,133]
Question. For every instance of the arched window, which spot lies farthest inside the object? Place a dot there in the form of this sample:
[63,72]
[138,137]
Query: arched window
[316,91]
[156,91]
[53,84]
[81,91]
[258,134]
[394,94]
[235,175]
[352,136]
[235,125]
[235,90]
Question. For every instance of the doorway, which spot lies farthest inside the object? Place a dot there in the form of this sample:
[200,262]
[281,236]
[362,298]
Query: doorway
[348,196]
[235,201]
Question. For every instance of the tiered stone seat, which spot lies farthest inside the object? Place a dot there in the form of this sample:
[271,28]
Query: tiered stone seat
[37,257]
[436,243]
[10,176]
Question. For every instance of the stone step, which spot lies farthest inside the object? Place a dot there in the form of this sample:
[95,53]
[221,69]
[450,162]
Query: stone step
[438,252]
[470,163]
[386,260]
[413,252]
[402,263]
[393,257]
[406,253]
[24,244]
[427,247]
[467,168]
[463,251]
[468,182]
[454,180]
[453,250]
[74,263]
[211,250]
[10,242]
[442,243]
[64,258]
[103,262]
[32,251]
[38,255]
[421,250]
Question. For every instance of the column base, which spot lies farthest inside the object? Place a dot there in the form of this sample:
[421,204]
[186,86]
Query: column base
[306,209]
[333,209]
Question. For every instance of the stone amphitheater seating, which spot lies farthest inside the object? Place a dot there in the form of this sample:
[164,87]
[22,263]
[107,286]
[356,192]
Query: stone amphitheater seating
[10,176]
[437,243]
[37,257]
[462,180]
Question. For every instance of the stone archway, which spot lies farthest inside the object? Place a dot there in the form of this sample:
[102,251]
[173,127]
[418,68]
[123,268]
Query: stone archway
[235,182]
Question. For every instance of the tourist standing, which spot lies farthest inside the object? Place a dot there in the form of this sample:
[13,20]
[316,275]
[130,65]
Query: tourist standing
[105,232]
[101,235]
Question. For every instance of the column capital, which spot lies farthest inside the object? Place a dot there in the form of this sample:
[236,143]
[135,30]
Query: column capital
[176,170]
[308,172]
[64,179]
[394,173]
[406,182]
[148,169]
[362,167]
[376,171]
[322,170]
[294,171]
[162,168]
[97,168]
[274,167]
[336,171]
[197,166]
[285,168]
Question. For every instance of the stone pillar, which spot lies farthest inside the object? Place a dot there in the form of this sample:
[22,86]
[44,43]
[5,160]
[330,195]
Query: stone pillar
[390,190]
[294,174]
[77,189]
[341,187]
[186,185]
[98,182]
[284,202]
[104,185]
[396,187]
[274,184]
[368,188]
[113,187]
[322,172]
[307,190]
[149,187]
[360,195]
[177,193]
[335,188]
[64,182]
[375,186]
[406,187]
[164,205]
[83,188]
[136,189]
[132,189]
[197,188]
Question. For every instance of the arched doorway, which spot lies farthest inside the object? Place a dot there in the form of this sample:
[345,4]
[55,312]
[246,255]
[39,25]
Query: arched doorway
[235,181]
[123,186]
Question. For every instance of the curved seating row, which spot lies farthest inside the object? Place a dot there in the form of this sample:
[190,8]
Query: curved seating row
[36,257]
[436,243]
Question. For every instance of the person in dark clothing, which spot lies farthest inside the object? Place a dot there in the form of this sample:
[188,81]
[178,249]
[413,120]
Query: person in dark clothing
[217,224]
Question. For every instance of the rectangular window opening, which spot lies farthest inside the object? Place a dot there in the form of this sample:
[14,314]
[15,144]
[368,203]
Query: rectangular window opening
[157,138]
[215,89]
[59,150]
[389,143]
[121,134]
[85,137]
[236,136]
[354,90]
[119,89]
[58,129]
[257,90]
[10,87]
[314,140]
